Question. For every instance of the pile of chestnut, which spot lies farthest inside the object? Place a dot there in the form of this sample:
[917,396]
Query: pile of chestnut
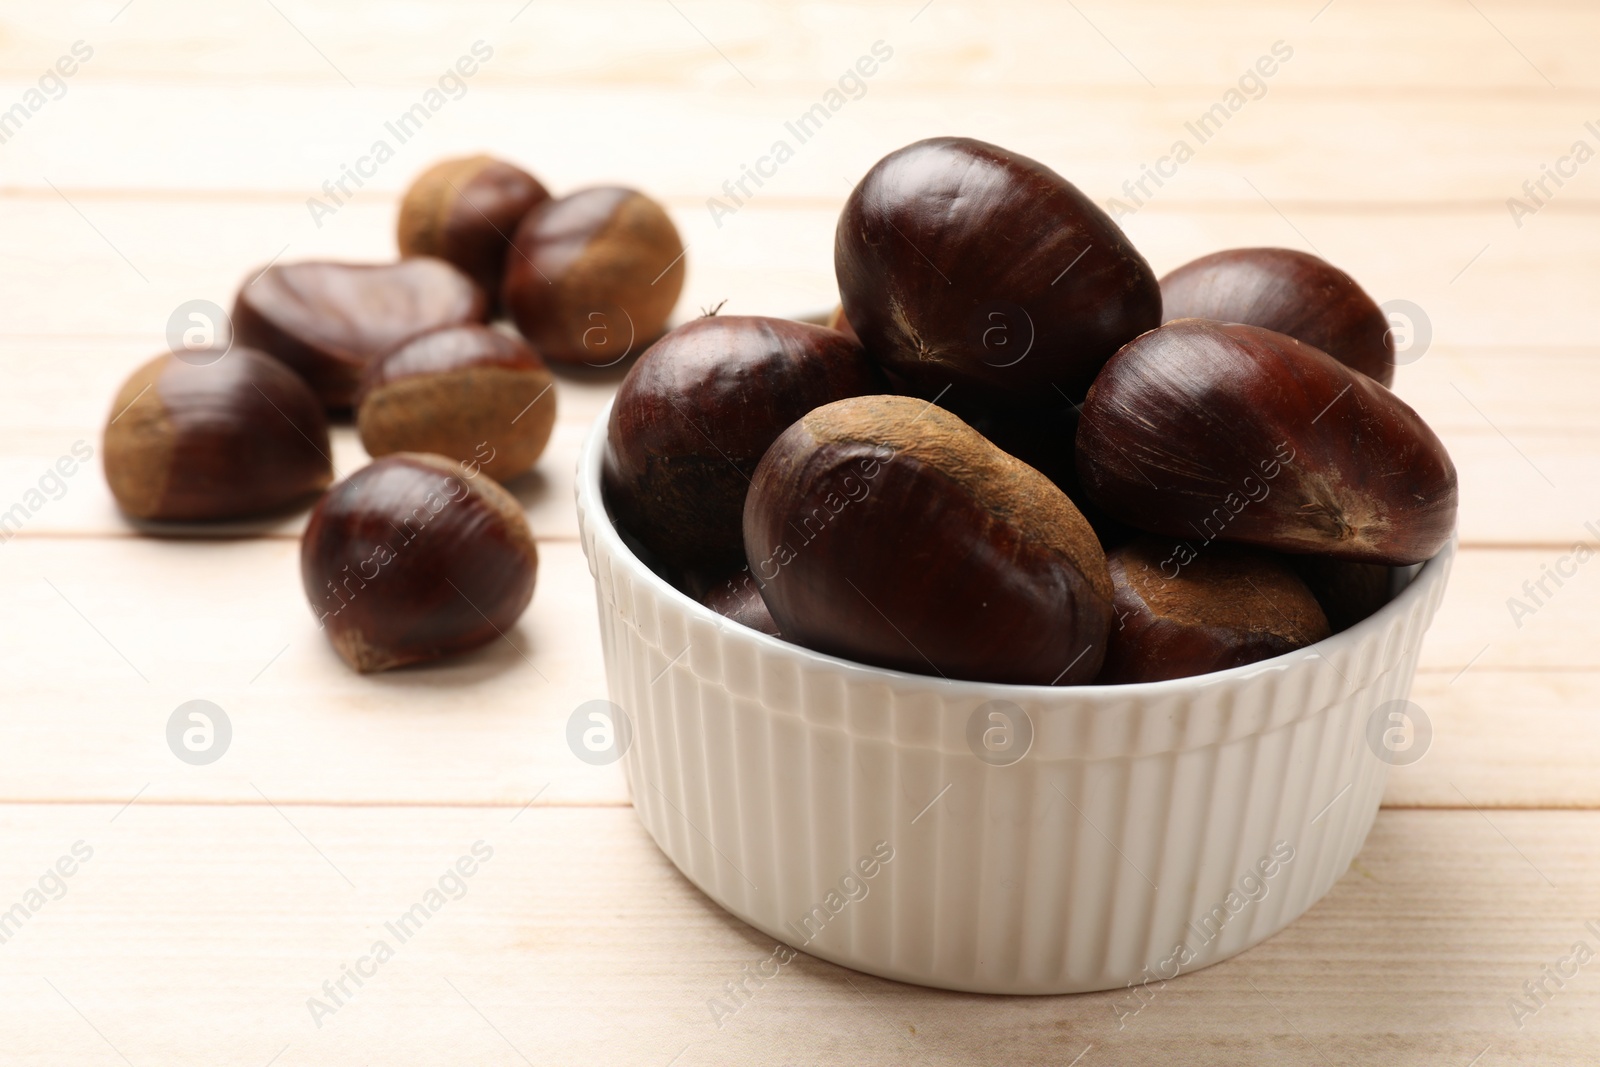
[1020,457]
[422,553]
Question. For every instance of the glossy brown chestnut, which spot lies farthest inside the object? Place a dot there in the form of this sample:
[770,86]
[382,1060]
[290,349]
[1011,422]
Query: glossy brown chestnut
[593,276]
[327,321]
[1226,607]
[466,211]
[737,596]
[963,265]
[208,435]
[698,411]
[412,559]
[1210,431]
[470,393]
[1294,293]
[887,531]
[1348,592]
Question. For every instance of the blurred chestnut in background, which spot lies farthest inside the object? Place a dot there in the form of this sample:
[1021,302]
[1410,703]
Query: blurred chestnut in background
[327,321]
[1211,431]
[698,411]
[593,276]
[885,530]
[1294,293]
[1225,607]
[466,211]
[963,265]
[470,393]
[412,559]
[208,435]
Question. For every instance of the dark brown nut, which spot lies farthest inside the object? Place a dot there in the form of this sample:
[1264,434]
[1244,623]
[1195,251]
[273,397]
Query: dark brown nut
[1294,293]
[698,411]
[1348,592]
[885,530]
[1211,431]
[470,393]
[1226,607]
[593,277]
[412,559]
[227,438]
[737,596]
[327,321]
[965,266]
[466,211]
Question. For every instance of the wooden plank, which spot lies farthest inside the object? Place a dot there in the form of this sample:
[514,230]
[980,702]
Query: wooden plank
[102,641]
[577,943]
[1505,739]
[1481,282]
[226,621]
[1296,144]
[1429,45]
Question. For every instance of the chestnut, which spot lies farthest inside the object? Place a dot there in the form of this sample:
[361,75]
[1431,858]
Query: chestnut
[236,436]
[1212,431]
[696,413]
[885,530]
[470,393]
[466,211]
[1226,607]
[1348,592]
[737,596]
[963,265]
[593,276]
[327,321]
[412,558]
[1291,292]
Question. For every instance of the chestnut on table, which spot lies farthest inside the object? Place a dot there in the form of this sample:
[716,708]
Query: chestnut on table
[327,321]
[214,435]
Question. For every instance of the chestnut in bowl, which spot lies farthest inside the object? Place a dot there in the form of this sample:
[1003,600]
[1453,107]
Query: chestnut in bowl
[698,411]
[471,393]
[1227,606]
[327,321]
[412,559]
[466,211]
[1294,293]
[235,436]
[963,265]
[885,530]
[592,277]
[1211,431]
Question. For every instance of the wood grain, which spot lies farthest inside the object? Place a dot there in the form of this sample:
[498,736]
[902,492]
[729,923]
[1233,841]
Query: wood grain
[577,943]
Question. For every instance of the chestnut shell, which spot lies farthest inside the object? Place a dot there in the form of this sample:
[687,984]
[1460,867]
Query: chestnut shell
[885,530]
[592,277]
[470,393]
[409,560]
[962,264]
[327,321]
[1227,606]
[698,411]
[1213,431]
[240,436]
[466,211]
[1294,293]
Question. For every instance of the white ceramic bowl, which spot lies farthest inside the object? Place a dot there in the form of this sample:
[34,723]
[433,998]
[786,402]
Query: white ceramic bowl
[1149,829]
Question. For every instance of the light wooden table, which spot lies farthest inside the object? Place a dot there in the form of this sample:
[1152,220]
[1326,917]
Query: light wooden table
[218,899]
